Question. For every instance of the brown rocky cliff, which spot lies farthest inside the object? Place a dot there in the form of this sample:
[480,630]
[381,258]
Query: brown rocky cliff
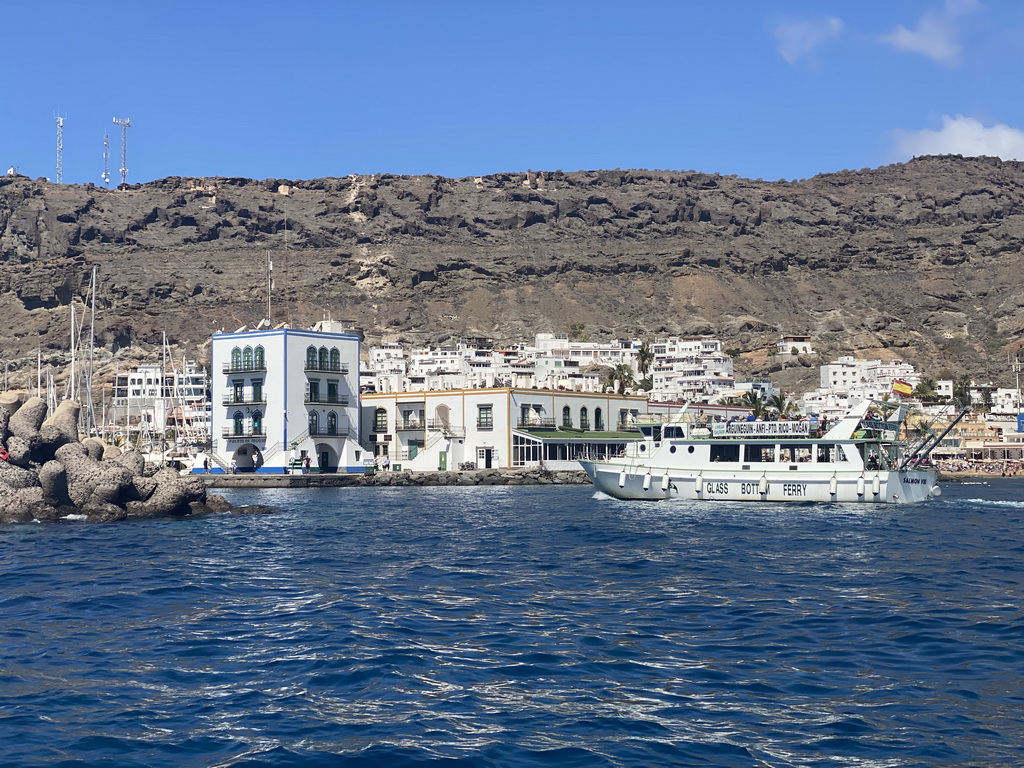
[918,260]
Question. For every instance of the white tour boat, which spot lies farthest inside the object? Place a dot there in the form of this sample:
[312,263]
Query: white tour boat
[858,459]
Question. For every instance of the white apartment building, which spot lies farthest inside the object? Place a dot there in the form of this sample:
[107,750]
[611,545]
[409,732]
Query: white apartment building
[148,399]
[497,427]
[283,394]
[788,345]
[687,369]
[847,381]
[683,369]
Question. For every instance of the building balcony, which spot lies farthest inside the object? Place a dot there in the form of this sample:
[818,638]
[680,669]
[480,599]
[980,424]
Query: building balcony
[410,425]
[233,399]
[484,424]
[324,431]
[439,425]
[536,424]
[252,368]
[326,400]
[235,432]
[341,368]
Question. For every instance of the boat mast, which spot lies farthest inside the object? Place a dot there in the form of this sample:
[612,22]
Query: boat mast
[90,423]
[163,401]
[71,383]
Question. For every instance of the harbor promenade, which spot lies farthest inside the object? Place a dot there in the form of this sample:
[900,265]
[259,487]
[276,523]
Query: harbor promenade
[531,476]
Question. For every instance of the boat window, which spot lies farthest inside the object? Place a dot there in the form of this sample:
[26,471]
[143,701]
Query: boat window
[829,453]
[794,452]
[758,453]
[725,452]
[672,431]
[874,456]
[657,433]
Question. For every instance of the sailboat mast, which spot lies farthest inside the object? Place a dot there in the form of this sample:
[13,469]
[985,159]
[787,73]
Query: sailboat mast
[71,383]
[163,384]
[90,423]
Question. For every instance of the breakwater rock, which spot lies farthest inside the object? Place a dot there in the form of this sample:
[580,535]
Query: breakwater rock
[531,476]
[47,473]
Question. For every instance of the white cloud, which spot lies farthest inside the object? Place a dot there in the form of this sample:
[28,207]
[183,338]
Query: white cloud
[936,33]
[961,135]
[798,38]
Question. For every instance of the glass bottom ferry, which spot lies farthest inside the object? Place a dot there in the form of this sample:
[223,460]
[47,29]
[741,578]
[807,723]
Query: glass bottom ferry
[860,459]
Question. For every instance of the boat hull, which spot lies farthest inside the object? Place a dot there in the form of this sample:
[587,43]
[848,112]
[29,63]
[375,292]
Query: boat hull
[870,487]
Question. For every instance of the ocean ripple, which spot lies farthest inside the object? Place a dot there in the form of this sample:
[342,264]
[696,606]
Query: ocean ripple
[519,626]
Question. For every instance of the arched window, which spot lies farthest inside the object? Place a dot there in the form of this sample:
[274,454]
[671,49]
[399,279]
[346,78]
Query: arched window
[380,420]
[335,359]
[598,420]
[314,423]
[239,423]
[236,359]
[567,417]
[247,358]
[310,358]
[257,422]
[259,359]
[584,418]
[325,359]
[332,423]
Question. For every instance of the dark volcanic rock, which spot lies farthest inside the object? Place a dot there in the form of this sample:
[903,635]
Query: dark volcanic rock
[917,260]
[70,480]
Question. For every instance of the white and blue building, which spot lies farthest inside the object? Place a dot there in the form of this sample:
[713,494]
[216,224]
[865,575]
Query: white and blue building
[282,394]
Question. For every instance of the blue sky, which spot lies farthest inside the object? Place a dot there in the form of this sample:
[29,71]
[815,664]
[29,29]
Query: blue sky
[459,88]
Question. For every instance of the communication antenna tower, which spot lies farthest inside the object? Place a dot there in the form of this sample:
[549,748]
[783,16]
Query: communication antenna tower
[125,125]
[106,161]
[60,149]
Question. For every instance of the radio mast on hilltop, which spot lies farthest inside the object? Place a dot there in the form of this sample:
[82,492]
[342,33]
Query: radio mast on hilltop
[125,125]
[106,161]
[60,148]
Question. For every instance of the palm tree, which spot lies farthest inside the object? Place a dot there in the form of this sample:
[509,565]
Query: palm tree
[620,377]
[782,405]
[752,399]
[644,358]
[925,390]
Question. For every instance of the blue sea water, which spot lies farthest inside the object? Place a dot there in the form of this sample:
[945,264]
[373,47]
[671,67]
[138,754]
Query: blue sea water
[519,626]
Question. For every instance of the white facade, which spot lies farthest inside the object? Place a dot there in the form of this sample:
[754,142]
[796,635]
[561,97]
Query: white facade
[683,368]
[285,394]
[848,381]
[787,344]
[496,427]
[689,369]
[148,399]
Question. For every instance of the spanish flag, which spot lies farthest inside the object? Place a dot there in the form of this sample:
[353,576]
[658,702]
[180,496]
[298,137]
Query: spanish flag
[900,387]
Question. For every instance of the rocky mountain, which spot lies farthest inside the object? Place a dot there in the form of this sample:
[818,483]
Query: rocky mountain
[917,260]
